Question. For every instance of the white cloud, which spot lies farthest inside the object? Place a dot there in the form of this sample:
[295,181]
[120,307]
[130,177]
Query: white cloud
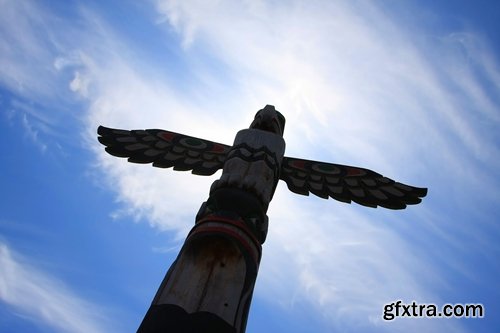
[338,77]
[46,300]
[33,133]
[339,68]
[27,45]
[346,264]
[359,89]
[356,88]
[79,84]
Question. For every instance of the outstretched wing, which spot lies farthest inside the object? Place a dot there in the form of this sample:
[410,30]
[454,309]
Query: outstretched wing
[346,183]
[165,149]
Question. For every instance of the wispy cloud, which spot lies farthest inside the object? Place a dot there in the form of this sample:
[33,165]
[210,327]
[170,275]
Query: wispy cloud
[46,300]
[38,97]
[345,264]
[28,42]
[32,133]
[355,89]
[358,86]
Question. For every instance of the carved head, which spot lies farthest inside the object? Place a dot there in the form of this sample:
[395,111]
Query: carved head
[270,120]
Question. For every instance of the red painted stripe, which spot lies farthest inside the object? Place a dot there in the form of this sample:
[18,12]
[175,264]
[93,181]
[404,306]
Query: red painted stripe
[241,240]
[354,172]
[217,148]
[298,164]
[167,136]
[237,223]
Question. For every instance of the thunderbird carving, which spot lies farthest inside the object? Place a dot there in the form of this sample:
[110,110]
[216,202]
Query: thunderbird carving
[256,162]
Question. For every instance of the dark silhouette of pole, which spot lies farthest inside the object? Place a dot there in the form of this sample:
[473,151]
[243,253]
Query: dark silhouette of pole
[209,286]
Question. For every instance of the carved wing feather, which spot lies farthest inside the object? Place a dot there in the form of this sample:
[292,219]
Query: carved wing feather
[165,149]
[346,184]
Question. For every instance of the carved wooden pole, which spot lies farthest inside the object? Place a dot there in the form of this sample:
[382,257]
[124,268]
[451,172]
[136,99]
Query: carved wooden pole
[209,287]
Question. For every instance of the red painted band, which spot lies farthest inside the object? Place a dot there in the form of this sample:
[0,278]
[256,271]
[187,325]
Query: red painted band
[241,240]
[237,223]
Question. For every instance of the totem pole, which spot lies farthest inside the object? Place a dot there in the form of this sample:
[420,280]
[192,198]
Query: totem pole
[209,286]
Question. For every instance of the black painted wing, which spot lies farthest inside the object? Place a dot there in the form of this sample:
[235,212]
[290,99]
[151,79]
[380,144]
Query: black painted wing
[346,183]
[165,149]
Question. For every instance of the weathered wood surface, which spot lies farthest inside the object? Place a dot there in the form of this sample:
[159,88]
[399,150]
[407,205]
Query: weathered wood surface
[215,271]
[253,164]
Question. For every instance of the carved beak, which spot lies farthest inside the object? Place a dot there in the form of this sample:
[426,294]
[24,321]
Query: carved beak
[269,120]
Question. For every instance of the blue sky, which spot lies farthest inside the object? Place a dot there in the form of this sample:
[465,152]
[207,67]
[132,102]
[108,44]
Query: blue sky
[410,89]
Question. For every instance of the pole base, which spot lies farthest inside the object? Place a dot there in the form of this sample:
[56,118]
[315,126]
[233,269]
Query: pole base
[169,318]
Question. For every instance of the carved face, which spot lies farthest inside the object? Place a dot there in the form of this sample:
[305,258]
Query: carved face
[270,120]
